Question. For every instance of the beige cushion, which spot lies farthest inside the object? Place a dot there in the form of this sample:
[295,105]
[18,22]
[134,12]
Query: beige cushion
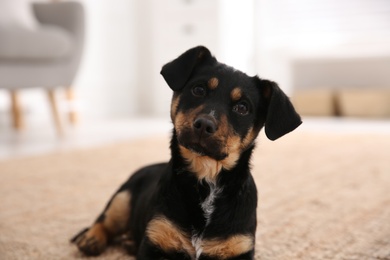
[364,103]
[44,42]
[318,102]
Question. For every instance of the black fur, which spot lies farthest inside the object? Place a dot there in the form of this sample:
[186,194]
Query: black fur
[176,195]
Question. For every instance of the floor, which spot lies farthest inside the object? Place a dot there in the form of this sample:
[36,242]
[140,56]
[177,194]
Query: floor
[41,138]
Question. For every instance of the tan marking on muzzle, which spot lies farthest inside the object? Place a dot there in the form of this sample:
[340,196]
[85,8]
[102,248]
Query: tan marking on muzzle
[204,167]
[235,146]
[185,120]
[207,168]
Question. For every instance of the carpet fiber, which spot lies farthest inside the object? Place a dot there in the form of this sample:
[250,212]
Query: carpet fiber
[321,196]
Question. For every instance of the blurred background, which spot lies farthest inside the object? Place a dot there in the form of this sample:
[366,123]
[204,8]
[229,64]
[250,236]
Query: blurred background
[332,57]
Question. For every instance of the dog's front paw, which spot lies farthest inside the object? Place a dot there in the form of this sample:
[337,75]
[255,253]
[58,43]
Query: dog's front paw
[127,242]
[91,241]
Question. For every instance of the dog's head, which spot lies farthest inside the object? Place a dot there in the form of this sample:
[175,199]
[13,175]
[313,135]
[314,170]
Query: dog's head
[218,111]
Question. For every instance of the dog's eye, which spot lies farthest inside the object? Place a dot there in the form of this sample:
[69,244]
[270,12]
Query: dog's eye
[199,91]
[241,108]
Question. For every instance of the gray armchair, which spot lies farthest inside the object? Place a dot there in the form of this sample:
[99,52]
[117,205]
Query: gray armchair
[47,56]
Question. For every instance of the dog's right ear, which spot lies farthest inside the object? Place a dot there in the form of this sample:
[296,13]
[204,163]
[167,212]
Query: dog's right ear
[281,116]
[177,72]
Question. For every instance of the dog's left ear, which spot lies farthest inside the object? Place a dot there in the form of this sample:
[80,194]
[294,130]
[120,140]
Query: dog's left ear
[281,116]
[177,72]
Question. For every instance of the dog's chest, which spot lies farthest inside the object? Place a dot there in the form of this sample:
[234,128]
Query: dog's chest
[208,204]
[208,208]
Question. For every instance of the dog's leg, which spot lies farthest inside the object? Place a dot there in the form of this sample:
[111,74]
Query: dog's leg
[236,247]
[150,251]
[111,223]
[165,240]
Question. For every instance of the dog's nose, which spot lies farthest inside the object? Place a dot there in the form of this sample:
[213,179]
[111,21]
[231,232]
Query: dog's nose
[204,125]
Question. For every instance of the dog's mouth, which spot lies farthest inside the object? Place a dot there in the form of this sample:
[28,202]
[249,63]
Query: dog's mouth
[200,150]
[210,147]
[196,148]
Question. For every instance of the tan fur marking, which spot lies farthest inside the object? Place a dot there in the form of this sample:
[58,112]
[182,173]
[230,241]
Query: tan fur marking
[174,105]
[236,94]
[180,122]
[231,247]
[213,83]
[232,144]
[117,214]
[96,233]
[204,167]
[165,234]
[248,139]
[233,148]
[184,120]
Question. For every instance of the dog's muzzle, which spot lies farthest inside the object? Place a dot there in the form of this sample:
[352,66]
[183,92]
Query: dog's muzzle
[203,138]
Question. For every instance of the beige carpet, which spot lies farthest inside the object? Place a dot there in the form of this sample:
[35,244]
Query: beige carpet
[320,196]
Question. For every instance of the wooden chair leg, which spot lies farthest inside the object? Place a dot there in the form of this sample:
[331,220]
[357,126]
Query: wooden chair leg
[72,113]
[17,117]
[54,109]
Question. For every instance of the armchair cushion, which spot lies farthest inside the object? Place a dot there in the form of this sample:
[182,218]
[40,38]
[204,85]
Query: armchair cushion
[17,13]
[44,42]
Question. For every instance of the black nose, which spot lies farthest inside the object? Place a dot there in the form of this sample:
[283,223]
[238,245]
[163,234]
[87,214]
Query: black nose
[204,125]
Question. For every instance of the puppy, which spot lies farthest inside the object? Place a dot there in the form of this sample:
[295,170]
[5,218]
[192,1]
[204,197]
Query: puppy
[202,203]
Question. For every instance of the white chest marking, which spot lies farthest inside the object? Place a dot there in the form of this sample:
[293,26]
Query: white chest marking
[208,208]
[197,244]
[208,204]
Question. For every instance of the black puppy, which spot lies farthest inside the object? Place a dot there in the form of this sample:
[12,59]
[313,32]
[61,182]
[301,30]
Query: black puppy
[202,203]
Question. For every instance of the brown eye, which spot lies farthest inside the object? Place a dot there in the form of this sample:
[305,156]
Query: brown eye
[241,108]
[199,91]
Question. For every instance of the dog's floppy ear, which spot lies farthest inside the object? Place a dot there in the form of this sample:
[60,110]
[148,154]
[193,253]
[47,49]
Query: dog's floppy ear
[281,116]
[177,72]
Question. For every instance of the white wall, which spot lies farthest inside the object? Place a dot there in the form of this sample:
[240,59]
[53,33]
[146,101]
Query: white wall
[168,28]
[237,34]
[105,84]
